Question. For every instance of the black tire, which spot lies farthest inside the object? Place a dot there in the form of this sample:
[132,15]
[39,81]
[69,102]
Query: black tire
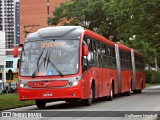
[88,102]
[135,92]
[40,103]
[140,91]
[110,98]
[130,90]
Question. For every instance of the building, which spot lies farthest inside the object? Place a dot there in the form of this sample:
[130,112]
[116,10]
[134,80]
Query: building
[34,15]
[8,12]
[2,56]
[17,22]
[10,64]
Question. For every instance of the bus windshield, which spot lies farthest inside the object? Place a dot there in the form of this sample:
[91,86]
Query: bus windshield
[50,58]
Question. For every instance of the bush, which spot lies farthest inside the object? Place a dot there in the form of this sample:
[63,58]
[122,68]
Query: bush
[153,76]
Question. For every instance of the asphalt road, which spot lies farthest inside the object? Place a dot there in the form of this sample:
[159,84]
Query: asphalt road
[122,107]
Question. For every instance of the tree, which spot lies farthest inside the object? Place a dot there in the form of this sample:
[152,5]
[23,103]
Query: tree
[138,18]
[134,22]
[88,14]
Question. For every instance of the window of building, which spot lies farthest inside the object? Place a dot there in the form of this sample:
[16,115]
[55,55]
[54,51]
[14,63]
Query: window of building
[9,64]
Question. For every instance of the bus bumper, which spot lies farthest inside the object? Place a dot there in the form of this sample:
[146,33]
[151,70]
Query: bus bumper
[50,93]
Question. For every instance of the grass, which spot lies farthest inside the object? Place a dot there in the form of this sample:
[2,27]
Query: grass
[152,84]
[8,101]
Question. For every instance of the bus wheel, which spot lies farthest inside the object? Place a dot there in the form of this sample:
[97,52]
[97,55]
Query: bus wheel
[40,103]
[140,90]
[130,91]
[135,91]
[110,98]
[88,102]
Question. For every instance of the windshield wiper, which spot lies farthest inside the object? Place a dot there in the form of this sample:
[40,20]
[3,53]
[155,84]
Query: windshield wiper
[37,69]
[60,73]
[39,65]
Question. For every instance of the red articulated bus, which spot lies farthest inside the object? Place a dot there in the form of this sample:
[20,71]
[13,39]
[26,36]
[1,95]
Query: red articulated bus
[71,63]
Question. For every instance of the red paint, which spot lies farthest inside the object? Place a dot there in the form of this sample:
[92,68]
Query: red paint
[102,77]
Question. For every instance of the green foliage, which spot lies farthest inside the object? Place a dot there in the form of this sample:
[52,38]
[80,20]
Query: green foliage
[8,101]
[88,14]
[152,76]
[124,19]
[138,18]
[145,48]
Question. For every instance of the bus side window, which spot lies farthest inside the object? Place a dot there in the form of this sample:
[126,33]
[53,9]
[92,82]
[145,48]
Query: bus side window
[84,61]
[94,45]
[98,53]
[88,41]
[104,56]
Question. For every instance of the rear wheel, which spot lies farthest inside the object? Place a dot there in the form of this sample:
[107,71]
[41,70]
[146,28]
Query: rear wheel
[140,91]
[40,103]
[130,90]
[110,98]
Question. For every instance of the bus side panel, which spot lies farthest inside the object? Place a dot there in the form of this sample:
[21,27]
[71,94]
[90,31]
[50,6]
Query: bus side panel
[126,80]
[114,78]
[106,82]
[138,80]
[90,75]
[144,80]
[109,75]
[101,83]
[139,83]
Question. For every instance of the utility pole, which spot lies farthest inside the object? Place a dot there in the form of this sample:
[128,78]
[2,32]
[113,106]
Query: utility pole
[29,26]
[48,11]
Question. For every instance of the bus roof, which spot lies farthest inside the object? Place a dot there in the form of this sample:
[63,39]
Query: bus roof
[65,32]
[98,37]
[57,32]
[71,32]
[123,47]
[136,52]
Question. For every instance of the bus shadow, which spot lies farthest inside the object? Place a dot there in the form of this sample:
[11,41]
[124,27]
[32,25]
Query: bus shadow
[62,105]
[74,105]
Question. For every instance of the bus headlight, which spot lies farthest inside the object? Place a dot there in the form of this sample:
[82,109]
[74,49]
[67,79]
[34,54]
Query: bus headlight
[21,85]
[73,83]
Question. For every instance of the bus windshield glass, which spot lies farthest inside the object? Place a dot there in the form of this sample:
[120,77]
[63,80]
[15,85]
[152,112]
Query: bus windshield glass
[50,58]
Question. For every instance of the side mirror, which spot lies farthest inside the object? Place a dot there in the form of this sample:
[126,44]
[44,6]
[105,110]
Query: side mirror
[85,50]
[15,52]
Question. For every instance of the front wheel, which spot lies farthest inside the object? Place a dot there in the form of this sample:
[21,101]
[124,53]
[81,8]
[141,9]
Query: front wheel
[40,103]
[88,102]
